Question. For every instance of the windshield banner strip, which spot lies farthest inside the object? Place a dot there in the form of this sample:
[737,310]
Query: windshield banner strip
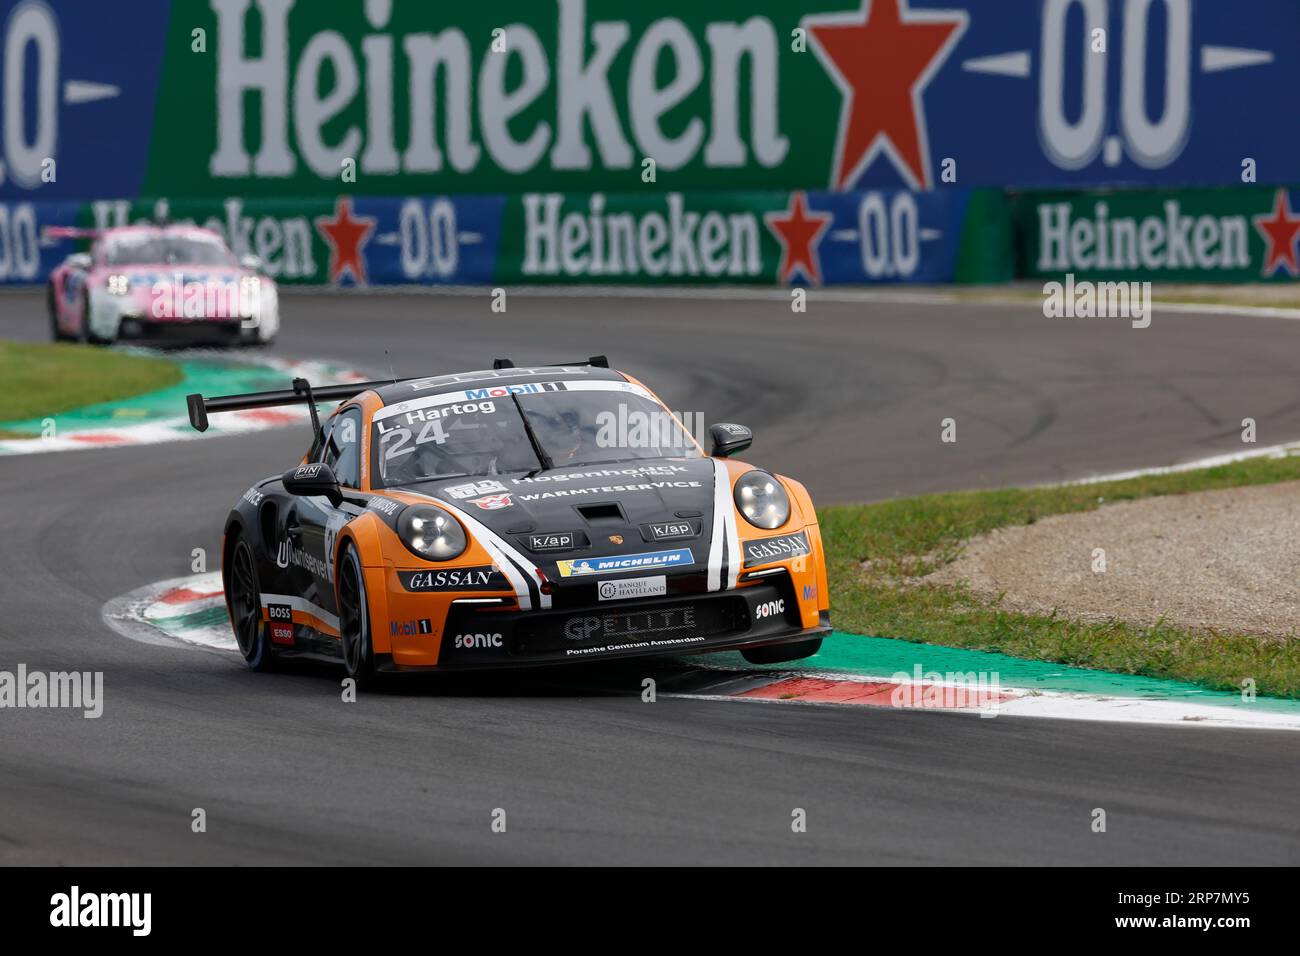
[505,391]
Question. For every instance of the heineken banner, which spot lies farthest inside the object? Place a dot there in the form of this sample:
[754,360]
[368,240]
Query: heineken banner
[641,237]
[1202,235]
[276,98]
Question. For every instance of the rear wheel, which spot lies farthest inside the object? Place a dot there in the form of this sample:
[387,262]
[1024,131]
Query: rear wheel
[354,619]
[780,653]
[245,597]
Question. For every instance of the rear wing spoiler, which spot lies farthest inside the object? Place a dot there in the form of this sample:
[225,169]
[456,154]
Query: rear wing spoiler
[302,393]
[69,232]
[596,361]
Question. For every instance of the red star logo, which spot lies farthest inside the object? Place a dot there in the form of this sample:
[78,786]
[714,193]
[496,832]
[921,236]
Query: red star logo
[882,61]
[798,232]
[346,237]
[1279,231]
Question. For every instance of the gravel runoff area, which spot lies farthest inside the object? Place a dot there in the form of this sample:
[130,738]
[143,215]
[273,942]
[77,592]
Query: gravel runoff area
[1227,561]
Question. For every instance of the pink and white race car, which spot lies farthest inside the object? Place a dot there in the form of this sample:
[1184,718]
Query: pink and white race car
[177,283]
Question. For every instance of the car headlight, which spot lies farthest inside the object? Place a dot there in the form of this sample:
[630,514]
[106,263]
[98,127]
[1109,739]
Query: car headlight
[431,533]
[118,284]
[762,500]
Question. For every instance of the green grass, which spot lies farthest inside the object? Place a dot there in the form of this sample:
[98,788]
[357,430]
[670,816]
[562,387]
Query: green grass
[910,537]
[42,379]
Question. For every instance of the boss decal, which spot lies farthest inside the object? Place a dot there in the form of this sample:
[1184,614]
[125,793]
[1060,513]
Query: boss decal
[280,618]
[485,578]
[767,550]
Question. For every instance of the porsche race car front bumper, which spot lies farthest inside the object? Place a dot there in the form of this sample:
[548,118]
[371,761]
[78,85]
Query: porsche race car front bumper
[476,636]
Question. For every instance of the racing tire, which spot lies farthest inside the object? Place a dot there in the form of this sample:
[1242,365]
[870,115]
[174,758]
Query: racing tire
[87,334]
[244,596]
[354,620]
[55,332]
[780,653]
[252,337]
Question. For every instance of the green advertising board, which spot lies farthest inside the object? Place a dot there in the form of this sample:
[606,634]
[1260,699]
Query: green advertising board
[1189,235]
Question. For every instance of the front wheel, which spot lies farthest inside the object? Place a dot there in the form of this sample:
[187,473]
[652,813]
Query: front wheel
[244,601]
[354,619]
[52,306]
[780,653]
[87,333]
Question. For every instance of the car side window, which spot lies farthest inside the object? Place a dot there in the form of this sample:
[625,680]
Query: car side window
[343,448]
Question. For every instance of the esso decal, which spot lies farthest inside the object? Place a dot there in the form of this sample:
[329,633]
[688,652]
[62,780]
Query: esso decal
[478,640]
[770,608]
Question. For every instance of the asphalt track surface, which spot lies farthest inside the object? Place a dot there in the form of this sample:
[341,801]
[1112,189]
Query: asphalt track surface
[849,398]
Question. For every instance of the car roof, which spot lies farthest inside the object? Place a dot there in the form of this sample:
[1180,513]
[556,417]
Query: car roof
[494,378]
[173,229]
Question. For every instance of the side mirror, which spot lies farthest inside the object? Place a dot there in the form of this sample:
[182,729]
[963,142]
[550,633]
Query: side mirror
[252,263]
[80,260]
[308,481]
[729,439]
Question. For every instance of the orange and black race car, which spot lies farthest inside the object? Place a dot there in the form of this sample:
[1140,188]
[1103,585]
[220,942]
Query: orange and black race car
[517,516]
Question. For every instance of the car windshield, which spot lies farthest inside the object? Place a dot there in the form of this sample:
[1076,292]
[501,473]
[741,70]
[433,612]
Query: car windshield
[523,433]
[166,250]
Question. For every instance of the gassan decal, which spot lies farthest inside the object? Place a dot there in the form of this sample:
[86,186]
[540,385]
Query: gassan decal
[485,578]
[558,541]
[621,563]
[767,550]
